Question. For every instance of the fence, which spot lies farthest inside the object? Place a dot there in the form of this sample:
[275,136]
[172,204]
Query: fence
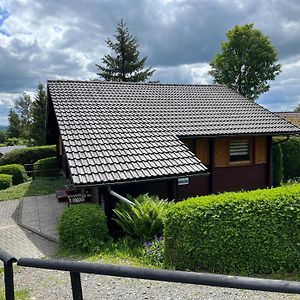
[76,268]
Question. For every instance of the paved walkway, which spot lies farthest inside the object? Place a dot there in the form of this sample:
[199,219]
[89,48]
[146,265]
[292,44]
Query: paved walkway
[39,215]
[42,214]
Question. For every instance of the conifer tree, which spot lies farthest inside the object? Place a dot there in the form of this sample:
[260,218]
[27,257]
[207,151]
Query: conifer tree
[38,112]
[126,65]
[14,124]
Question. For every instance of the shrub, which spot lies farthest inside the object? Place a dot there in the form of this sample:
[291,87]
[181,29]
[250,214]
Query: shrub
[277,164]
[5,181]
[145,219]
[27,155]
[47,167]
[154,251]
[17,171]
[291,158]
[246,232]
[83,228]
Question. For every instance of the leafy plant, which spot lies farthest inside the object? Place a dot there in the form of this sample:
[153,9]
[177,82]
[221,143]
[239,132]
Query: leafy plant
[144,220]
[5,181]
[47,167]
[83,228]
[17,171]
[154,251]
[246,232]
[291,158]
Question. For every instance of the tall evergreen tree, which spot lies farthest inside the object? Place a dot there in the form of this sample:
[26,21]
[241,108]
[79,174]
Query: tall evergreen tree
[126,65]
[14,124]
[23,110]
[38,112]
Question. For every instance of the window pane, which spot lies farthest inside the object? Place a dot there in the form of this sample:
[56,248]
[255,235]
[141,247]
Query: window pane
[239,150]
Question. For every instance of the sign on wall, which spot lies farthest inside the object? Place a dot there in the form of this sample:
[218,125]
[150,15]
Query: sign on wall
[183,181]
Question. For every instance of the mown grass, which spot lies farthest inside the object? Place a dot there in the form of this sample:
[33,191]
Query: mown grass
[126,252]
[37,187]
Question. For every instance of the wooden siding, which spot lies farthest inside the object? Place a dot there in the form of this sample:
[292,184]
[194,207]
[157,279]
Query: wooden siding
[202,150]
[221,152]
[260,150]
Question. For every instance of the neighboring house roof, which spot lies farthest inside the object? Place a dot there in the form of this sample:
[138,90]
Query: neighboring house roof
[293,117]
[115,132]
[6,149]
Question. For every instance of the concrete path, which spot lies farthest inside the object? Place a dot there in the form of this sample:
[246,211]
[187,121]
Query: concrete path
[41,214]
[38,218]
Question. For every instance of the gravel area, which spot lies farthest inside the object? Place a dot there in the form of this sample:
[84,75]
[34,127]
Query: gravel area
[46,284]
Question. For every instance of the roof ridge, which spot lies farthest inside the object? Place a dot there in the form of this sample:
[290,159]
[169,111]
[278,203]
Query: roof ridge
[133,83]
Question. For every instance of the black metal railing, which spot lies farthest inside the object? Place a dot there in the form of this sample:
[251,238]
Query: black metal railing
[76,268]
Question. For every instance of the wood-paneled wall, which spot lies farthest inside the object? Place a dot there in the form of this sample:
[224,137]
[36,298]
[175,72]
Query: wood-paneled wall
[260,150]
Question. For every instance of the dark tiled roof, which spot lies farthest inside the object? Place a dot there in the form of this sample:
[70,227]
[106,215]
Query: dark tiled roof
[127,131]
[289,114]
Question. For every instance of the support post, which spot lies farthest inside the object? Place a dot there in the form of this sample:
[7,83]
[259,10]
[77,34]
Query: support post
[76,286]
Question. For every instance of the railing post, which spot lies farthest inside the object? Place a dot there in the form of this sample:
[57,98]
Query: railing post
[76,286]
[8,261]
[9,280]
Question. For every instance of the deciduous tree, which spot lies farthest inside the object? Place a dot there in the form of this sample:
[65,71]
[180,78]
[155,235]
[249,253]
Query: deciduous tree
[247,62]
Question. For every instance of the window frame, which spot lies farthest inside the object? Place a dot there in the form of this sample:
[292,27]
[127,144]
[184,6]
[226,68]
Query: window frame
[246,161]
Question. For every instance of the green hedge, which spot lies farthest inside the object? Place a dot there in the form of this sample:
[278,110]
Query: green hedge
[82,228]
[277,164]
[245,233]
[47,167]
[27,155]
[291,158]
[5,181]
[17,171]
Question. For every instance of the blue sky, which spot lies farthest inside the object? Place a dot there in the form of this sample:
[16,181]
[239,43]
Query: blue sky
[53,39]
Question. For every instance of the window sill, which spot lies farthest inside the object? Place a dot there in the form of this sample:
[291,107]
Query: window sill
[240,163]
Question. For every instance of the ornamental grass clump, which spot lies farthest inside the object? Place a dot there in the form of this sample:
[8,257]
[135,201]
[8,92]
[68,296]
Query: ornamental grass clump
[144,220]
[245,232]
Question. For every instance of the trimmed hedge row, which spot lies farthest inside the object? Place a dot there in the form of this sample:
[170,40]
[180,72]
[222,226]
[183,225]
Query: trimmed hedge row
[47,167]
[5,181]
[246,232]
[17,171]
[83,228]
[27,155]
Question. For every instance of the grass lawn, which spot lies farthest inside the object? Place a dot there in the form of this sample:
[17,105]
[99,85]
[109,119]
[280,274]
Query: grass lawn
[37,187]
[125,252]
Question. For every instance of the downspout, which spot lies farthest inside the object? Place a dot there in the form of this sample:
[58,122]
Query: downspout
[121,198]
[282,141]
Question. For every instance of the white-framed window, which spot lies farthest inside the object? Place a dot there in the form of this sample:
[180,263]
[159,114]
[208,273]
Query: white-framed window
[239,150]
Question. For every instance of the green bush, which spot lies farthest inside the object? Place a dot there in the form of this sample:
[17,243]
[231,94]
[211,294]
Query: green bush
[245,233]
[145,219]
[83,228]
[154,251]
[5,181]
[27,155]
[291,158]
[17,171]
[47,167]
[277,164]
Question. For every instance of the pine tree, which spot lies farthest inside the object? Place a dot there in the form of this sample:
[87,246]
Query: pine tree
[126,65]
[38,112]
[23,110]
[14,127]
